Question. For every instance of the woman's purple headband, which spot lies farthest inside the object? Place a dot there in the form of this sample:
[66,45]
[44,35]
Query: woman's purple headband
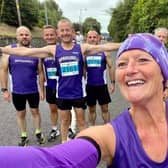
[150,44]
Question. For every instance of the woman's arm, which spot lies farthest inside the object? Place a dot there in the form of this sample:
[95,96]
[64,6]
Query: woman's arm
[73,154]
[105,138]
[84,151]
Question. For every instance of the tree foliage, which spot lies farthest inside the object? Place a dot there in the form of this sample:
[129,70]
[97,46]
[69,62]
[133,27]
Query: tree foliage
[149,14]
[28,12]
[32,12]
[53,11]
[118,26]
[77,26]
[90,23]
[129,16]
[133,16]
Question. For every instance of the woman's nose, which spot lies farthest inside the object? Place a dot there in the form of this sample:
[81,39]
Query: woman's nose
[131,68]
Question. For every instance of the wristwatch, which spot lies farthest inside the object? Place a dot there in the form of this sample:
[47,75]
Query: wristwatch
[4,90]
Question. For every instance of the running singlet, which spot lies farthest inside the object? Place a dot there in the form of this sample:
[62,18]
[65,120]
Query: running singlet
[23,71]
[129,152]
[50,70]
[96,69]
[69,65]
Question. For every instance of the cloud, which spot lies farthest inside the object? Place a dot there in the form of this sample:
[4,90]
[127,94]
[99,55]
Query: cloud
[77,10]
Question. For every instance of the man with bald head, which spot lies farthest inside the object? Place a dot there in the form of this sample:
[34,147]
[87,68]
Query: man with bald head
[24,72]
[96,87]
[162,34]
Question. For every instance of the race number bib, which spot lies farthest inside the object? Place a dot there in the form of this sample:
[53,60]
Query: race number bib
[93,61]
[51,73]
[69,68]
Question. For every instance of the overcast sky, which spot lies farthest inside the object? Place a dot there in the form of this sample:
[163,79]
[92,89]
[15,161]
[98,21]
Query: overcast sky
[78,10]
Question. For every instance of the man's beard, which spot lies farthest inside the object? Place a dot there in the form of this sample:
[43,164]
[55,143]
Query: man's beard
[25,43]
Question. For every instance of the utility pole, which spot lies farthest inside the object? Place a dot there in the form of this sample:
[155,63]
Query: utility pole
[80,18]
[2,7]
[46,15]
[18,12]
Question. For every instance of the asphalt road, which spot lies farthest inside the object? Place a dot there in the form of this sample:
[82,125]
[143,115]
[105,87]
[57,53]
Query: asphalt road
[9,132]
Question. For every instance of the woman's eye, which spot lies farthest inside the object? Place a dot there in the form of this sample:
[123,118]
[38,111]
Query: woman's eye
[121,64]
[143,60]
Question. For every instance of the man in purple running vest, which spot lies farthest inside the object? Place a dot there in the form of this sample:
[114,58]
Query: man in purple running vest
[50,37]
[24,73]
[162,34]
[96,77]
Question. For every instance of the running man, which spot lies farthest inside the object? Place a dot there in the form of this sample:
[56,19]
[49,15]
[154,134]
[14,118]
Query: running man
[162,34]
[23,72]
[50,37]
[96,77]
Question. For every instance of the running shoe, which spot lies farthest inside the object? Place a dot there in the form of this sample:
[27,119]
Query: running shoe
[53,135]
[71,134]
[24,141]
[40,138]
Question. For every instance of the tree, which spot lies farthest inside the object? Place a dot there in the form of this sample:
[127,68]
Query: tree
[28,10]
[118,26]
[32,12]
[77,27]
[54,13]
[90,23]
[149,14]
[9,14]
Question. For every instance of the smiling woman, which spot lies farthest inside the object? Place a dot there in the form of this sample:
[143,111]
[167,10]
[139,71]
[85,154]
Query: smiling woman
[135,139]
[156,49]
[135,67]
[138,75]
